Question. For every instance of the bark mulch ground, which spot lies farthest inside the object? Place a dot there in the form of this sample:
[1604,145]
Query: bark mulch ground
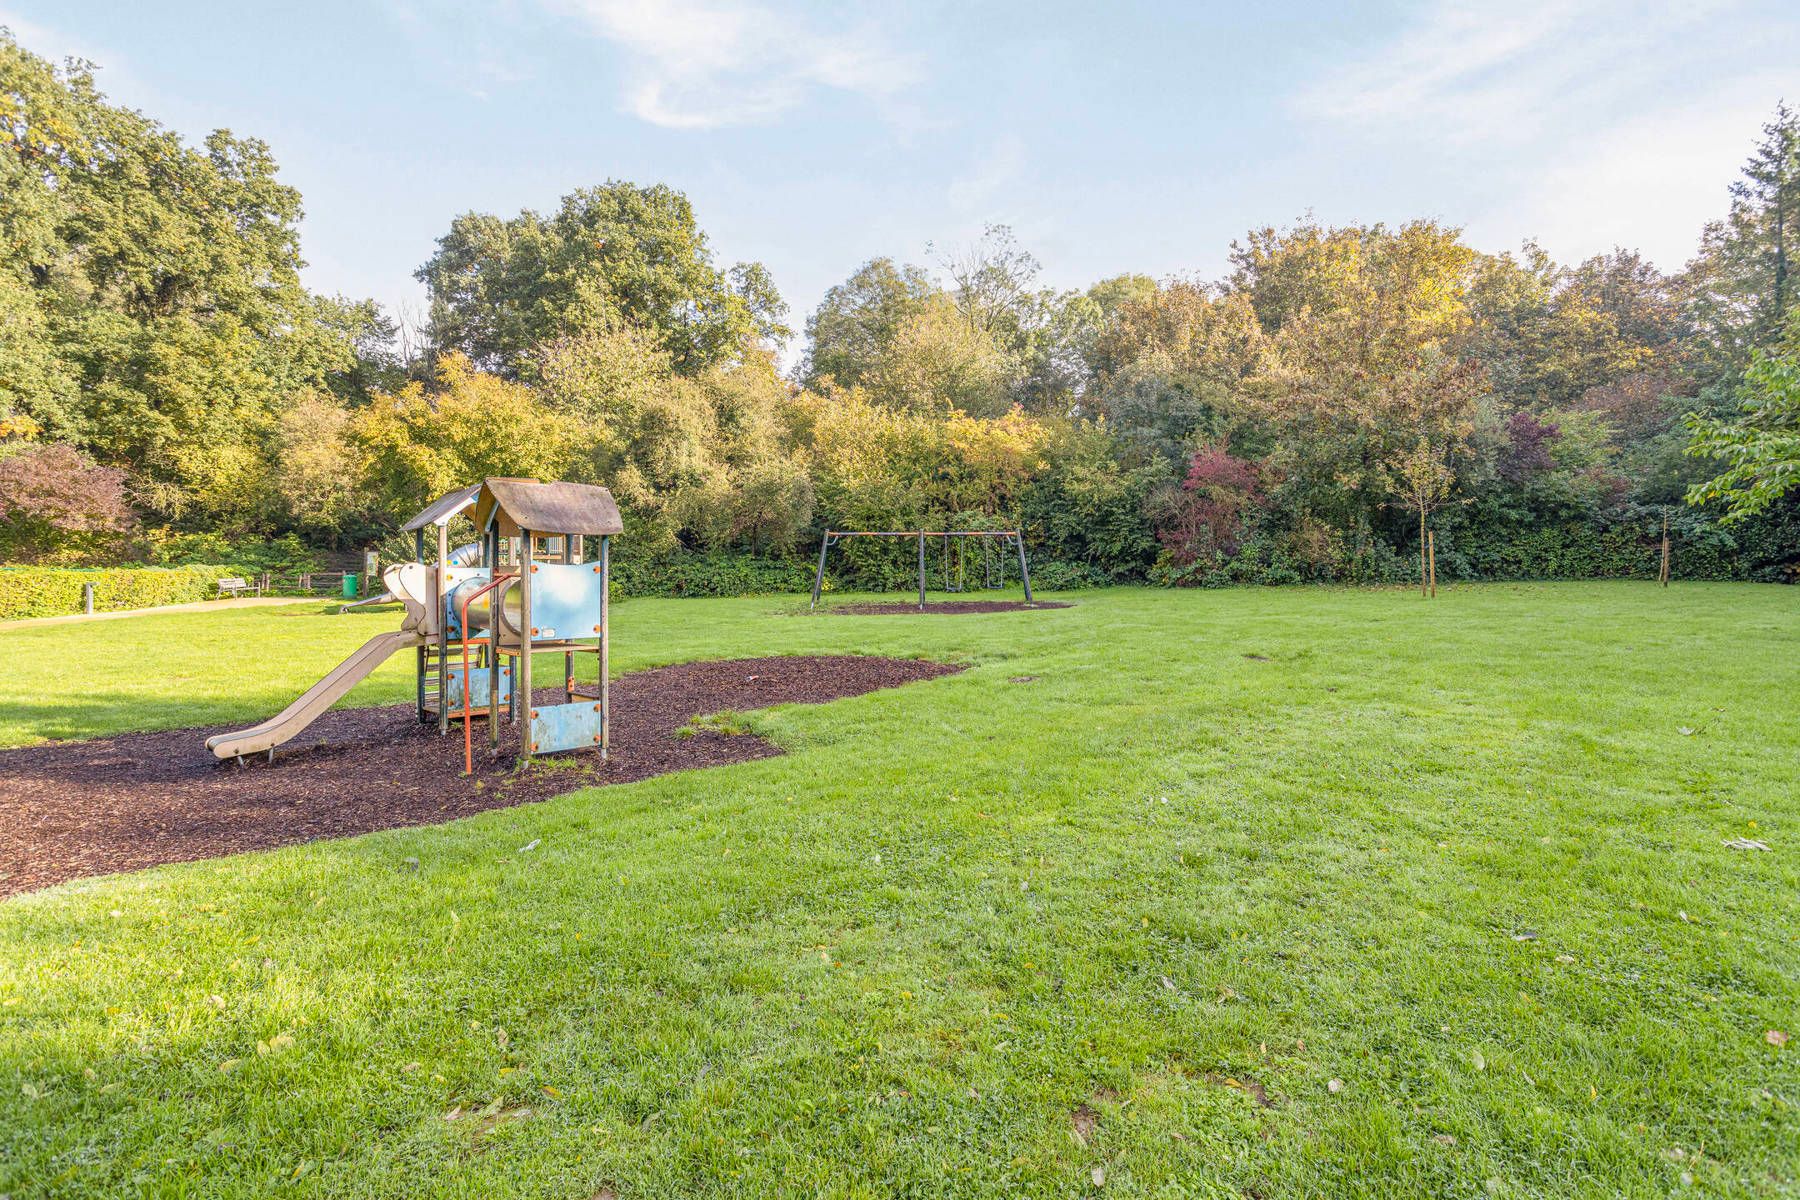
[72,809]
[942,607]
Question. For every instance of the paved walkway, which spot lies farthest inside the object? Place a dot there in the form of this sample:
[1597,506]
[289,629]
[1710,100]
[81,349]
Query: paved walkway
[197,606]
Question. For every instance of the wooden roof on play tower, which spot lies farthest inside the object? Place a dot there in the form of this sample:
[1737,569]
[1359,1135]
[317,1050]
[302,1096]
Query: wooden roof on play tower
[444,509]
[521,504]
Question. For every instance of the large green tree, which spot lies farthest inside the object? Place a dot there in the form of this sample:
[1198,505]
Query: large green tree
[985,339]
[1364,386]
[910,344]
[1547,334]
[151,309]
[1758,446]
[1742,282]
[1169,364]
[612,257]
[857,321]
[1044,332]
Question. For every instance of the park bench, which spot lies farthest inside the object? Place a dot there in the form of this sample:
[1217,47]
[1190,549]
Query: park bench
[234,586]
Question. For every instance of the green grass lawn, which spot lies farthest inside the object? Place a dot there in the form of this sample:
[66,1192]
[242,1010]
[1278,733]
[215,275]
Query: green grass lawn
[1445,881]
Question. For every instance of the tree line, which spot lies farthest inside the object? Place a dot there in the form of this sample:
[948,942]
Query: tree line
[170,391]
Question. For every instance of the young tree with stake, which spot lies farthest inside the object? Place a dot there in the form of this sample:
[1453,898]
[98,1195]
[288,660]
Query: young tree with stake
[1431,410]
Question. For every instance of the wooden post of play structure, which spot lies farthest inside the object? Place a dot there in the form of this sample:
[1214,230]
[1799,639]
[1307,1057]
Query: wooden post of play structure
[496,606]
[1663,575]
[443,638]
[522,676]
[571,555]
[605,645]
[420,655]
[1431,556]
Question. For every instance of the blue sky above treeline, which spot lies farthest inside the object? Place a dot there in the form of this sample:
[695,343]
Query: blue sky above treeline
[1127,137]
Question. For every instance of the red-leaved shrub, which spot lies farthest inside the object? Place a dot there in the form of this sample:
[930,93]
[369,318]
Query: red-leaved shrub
[56,503]
[1206,517]
[1527,449]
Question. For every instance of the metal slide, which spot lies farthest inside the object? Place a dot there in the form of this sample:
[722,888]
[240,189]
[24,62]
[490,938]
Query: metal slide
[315,700]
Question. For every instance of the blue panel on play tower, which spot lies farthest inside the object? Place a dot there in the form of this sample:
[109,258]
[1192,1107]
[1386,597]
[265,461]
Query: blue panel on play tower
[479,684]
[565,727]
[565,600]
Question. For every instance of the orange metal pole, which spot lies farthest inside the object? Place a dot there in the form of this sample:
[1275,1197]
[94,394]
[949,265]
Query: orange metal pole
[468,708]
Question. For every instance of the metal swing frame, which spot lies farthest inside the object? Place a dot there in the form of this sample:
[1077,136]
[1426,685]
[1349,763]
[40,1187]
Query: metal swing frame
[957,569]
[1009,538]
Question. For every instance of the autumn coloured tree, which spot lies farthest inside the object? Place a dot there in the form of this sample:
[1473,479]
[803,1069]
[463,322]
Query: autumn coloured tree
[1205,517]
[57,504]
[1342,396]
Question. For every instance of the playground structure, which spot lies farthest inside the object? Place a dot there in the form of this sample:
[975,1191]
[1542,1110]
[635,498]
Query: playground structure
[993,568]
[476,615]
[463,556]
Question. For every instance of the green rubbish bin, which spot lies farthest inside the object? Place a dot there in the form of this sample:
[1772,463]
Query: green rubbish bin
[349,586]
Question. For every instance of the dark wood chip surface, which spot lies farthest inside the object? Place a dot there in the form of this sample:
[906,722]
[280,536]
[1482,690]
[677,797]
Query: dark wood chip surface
[73,809]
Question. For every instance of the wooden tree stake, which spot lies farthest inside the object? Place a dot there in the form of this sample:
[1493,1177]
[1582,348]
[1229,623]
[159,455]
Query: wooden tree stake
[1663,575]
[1431,553]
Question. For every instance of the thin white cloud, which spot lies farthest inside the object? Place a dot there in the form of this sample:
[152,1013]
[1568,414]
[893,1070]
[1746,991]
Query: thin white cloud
[467,52]
[58,45]
[1503,71]
[1452,59]
[993,172]
[1591,123]
[1648,184]
[702,64]
[44,41]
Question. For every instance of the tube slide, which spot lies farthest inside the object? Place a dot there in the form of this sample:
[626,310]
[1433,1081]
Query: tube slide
[315,700]
[462,556]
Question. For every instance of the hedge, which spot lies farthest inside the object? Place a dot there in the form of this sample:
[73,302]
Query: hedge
[1627,545]
[691,574]
[56,591]
[729,574]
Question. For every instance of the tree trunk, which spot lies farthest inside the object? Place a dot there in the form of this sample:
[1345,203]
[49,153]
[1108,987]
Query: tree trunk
[1780,249]
[1422,583]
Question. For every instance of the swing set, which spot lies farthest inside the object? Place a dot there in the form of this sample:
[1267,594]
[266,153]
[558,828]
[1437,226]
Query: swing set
[994,543]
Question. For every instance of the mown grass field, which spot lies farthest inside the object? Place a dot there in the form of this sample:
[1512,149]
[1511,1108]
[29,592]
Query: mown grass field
[978,936]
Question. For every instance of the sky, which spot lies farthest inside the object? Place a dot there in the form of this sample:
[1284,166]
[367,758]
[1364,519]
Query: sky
[1113,137]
